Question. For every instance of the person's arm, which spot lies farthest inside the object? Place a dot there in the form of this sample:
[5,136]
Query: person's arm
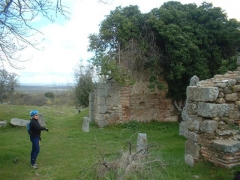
[36,125]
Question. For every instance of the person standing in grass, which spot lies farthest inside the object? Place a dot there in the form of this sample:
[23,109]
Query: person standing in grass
[35,137]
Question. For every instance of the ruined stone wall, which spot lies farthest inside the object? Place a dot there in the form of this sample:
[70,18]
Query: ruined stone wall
[211,120]
[112,104]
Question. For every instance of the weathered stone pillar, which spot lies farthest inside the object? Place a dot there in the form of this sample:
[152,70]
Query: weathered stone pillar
[85,125]
[101,109]
[142,143]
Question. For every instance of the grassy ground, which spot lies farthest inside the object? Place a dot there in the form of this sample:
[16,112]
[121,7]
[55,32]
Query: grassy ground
[68,153]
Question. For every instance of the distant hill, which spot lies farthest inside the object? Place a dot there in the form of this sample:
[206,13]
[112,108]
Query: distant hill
[41,88]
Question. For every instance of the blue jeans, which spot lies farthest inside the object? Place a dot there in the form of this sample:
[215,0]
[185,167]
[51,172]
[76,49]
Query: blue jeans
[35,149]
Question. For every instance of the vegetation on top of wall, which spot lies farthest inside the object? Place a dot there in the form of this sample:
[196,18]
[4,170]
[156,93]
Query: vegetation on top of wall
[176,41]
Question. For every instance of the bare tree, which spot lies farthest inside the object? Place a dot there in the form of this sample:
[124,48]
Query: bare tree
[133,57]
[16,31]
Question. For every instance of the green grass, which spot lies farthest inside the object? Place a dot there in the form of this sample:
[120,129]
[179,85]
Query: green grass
[67,151]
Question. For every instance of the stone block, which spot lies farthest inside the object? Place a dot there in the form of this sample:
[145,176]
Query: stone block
[231,97]
[218,76]
[193,125]
[227,132]
[236,88]
[231,82]
[238,104]
[101,109]
[101,100]
[183,130]
[19,122]
[191,108]
[114,92]
[212,110]
[194,80]
[103,93]
[192,148]
[238,77]
[3,123]
[99,117]
[227,146]
[184,114]
[189,160]
[189,117]
[142,143]
[85,125]
[202,93]
[227,90]
[234,114]
[196,117]
[221,93]
[220,84]
[208,126]
[220,100]
[193,137]
[226,75]
[113,101]
[231,107]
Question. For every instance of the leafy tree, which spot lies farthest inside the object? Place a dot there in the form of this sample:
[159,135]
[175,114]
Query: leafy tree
[84,85]
[175,41]
[194,41]
[49,95]
[124,44]
[8,81]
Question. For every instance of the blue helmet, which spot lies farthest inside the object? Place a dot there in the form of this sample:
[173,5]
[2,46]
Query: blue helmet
[33,112]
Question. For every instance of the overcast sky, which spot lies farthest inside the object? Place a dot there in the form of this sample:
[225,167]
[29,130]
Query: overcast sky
[66,42]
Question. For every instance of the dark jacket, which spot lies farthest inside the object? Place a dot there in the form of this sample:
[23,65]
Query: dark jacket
[35,129]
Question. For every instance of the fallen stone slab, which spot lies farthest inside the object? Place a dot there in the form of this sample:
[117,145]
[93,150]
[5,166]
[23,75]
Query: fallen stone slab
[19,122]
[3,123]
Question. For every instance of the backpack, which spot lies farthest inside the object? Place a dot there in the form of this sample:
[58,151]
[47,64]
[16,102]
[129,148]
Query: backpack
[29,128]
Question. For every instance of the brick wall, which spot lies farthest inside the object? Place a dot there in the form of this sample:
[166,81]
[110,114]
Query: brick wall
[114,104]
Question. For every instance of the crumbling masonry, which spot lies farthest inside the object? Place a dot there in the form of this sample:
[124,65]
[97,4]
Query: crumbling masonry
[111,104]
[211,120]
